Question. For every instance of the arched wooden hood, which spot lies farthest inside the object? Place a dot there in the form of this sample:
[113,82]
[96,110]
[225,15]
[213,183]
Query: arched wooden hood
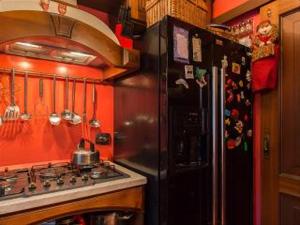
[62,32]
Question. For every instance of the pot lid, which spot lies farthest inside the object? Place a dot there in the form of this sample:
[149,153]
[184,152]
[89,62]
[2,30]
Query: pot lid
[61,32]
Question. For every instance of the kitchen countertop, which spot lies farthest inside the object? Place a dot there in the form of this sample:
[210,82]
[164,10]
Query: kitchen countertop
[26,203]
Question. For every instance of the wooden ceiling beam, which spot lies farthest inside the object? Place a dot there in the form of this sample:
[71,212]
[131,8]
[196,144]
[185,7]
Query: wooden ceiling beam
[240,10]
[108,6]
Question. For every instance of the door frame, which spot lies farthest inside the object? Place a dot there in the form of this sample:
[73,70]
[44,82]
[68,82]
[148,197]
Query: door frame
[272,182]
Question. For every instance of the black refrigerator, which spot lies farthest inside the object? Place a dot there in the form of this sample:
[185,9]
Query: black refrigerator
[185,122]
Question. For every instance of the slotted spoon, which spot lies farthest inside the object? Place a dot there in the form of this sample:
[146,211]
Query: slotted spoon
[25,115]
[12,111]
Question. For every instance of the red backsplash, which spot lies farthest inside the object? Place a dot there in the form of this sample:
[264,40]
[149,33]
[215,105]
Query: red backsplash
[36,140]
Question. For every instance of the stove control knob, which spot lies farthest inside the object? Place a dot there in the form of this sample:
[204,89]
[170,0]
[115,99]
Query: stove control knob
[32,186]
[60,181]
[73,180]
[46,184]
[2,191]
[85,177]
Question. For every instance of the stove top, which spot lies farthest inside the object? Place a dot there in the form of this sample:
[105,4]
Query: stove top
[42,179]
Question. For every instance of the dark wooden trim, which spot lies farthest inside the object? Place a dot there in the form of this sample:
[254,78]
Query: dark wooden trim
[240,10]
[107,6]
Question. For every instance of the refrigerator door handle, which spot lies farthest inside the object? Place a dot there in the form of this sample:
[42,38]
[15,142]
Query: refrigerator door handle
[222,141]
[215,140]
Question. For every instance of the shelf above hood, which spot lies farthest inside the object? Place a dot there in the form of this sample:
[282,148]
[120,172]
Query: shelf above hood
[63,33]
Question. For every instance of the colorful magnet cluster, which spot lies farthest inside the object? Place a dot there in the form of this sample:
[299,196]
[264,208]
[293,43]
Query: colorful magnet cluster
[238,112]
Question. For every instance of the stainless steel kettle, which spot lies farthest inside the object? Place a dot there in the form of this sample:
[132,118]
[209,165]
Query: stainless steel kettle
[85,157]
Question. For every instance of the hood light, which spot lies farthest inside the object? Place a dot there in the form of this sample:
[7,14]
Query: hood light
[28,45]
[79,54]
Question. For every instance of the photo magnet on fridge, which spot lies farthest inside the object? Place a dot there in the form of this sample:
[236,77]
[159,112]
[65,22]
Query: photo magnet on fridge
[181,45]
[197,48]
[189,72]
[236,68]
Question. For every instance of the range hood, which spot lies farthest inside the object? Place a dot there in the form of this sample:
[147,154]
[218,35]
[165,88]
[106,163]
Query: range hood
[60,31]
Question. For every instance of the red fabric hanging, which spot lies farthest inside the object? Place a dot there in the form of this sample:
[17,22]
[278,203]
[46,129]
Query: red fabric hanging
[264,72]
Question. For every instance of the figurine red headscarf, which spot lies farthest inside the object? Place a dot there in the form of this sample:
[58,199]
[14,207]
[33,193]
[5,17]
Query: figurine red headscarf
[265,57]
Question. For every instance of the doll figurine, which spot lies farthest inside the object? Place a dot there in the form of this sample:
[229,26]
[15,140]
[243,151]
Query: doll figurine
[265,40]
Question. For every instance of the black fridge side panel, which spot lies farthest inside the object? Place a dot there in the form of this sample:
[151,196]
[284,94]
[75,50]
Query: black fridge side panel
[136,114]
[238,124]
[188,136]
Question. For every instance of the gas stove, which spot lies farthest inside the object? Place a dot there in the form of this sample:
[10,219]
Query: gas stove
[42,179]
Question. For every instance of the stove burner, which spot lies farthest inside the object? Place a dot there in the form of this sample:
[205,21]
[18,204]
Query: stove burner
[6,186]
[8,176]
[49,178]
[98,174]
[52,173]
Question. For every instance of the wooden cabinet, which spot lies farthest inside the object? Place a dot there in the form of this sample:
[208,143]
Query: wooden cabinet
[138,11]
[279,123]
[131,199]
[290,210]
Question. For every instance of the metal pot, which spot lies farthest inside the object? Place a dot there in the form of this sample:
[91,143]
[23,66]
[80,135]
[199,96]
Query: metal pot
[85,157]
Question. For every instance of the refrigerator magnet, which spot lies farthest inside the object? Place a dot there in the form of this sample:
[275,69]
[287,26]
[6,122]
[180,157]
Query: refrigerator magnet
[200,77]
[241,83]
[231,144]
[235,114]
[230,97]
[227,122]
[226,134]
[182,82]
[227,112]
[224,62]
[246,118]
[248,103]
[202,82]
[238,141]
[181,45]
[248,86]
[238,98]
[249,133]
[239,127]
[245,146]
[236,68]
[197,48]
[248,76]
[242,95]
[189,71]
[243,61]
[200,73]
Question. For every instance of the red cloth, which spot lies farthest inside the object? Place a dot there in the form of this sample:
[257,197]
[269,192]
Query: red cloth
[264,72]
[124,41]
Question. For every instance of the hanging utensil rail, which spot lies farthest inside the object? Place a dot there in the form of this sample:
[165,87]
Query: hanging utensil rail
[50,76]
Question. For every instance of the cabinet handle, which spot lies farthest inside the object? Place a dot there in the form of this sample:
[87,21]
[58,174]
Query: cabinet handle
[266,146]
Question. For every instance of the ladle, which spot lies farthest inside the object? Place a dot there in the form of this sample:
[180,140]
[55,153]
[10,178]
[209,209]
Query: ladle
[54,118]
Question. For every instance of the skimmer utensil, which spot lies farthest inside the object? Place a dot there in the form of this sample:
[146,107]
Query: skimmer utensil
[25,115]
[66,114]
[54,118]
[75,118]
[12,111]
